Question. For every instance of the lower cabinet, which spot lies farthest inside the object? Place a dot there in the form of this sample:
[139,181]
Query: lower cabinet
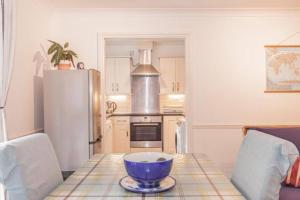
[121,135]
[169,132]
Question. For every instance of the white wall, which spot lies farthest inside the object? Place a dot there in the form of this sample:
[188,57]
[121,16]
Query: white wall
[226,75]
[25,104]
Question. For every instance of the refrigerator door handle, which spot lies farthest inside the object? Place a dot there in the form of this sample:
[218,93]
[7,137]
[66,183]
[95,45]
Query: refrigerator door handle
[97,140]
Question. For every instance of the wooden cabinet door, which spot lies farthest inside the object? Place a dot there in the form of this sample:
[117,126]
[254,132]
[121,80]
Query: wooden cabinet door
[169,132]
[121,135]
[167,75]
[180,75]
[123,76]
[110,75]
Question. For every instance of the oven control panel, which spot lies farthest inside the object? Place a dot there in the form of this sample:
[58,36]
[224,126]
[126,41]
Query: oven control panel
[146,119]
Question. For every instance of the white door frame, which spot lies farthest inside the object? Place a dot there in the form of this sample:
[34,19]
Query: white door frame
[101,37]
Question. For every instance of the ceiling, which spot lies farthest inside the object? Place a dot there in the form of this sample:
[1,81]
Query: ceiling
[187,4]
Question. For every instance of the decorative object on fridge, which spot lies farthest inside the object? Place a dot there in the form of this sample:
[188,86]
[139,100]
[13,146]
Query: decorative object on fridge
[283,67]
[80,65]
[62,57]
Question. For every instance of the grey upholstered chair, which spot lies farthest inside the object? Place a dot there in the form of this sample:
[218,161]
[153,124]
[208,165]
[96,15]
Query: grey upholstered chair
[29,168]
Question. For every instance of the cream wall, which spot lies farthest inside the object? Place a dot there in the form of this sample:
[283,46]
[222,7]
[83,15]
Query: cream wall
[25,98]
[226,73]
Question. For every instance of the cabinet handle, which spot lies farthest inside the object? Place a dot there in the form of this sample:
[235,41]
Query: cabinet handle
[122,120]
[117,87]
[177,86]
[173,86]
[113,88]
[127,133]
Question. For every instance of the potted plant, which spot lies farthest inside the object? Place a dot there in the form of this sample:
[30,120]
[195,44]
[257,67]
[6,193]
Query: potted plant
[62,57]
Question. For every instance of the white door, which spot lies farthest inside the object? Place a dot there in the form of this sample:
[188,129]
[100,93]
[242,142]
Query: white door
[123,76]
[167,75]
[110,75]
[180,75]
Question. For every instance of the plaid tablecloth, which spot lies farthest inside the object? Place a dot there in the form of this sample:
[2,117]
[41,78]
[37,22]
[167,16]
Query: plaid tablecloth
[196,178]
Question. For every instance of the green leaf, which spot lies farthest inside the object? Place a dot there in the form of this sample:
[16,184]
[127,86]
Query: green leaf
[55,43]
[66,45]
[52,42]
[72,61]
[52,48]
[58,57]
[72,53]
[54,57]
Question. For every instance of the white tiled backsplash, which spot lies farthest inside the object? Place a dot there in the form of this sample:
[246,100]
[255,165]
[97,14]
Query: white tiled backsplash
[172,101]
[124,102]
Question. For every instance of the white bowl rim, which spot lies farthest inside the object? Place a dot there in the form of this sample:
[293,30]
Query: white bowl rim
[130,157]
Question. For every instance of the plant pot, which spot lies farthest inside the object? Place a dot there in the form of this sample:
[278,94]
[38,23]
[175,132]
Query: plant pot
[64,65]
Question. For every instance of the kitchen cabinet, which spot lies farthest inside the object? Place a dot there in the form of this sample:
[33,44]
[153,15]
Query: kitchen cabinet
[180,75]
[169,132]
[107,137]
[121,135]
[109,75]
[117,75]
[172,75]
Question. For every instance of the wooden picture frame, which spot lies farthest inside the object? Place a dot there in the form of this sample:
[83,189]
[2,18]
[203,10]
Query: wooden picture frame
[282,69]
[246,128]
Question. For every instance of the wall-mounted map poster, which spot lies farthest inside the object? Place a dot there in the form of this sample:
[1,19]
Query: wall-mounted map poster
[283,68]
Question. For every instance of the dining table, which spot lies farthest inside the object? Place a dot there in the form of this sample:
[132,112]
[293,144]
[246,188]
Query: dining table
[196,178]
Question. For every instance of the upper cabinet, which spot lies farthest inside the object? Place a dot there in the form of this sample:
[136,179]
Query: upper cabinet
[180,75]
[117,75]
[172,75]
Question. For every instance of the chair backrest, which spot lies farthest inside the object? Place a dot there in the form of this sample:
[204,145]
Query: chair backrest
[29,169]
[262,164]
[289,134]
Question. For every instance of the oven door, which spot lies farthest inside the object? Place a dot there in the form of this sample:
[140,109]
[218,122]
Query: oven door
[145,134]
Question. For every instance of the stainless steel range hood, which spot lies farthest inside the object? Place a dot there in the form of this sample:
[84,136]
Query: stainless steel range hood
[145,85]
[145,67]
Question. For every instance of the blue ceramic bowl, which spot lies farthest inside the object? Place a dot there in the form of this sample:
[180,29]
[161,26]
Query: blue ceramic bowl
[148,168]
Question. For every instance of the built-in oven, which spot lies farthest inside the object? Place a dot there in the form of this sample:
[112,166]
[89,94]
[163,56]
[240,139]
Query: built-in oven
[146,131]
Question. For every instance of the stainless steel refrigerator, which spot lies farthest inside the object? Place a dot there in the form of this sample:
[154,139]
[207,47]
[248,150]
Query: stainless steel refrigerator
[72,115]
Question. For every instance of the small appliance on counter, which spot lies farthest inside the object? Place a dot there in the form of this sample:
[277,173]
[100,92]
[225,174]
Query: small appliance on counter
[111,107]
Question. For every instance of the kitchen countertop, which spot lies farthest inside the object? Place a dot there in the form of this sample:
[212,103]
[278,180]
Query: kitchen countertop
[143,114]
